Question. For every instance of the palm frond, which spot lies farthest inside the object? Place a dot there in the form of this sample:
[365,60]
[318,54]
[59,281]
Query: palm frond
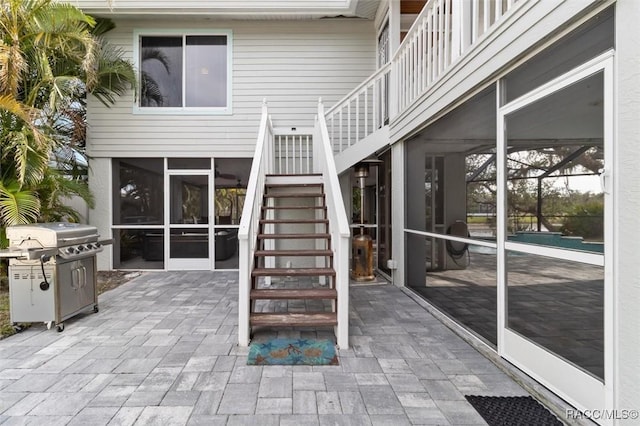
[102,26]
[9,104]
[30,164]
[17,206]
[12,68]
[54,190]
[115,76]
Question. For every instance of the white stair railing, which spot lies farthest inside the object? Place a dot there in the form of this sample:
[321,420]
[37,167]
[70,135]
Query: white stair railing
[263,164]
[363,111]
[338,223]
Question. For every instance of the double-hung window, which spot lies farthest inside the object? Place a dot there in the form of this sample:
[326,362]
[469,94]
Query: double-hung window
[184,72]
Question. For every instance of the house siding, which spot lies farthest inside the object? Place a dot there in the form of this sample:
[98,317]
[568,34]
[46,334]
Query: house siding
[627,186]
[290,64]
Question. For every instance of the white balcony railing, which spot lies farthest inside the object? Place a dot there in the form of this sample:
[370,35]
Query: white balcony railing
[293,152]
[263,164]
[443,31]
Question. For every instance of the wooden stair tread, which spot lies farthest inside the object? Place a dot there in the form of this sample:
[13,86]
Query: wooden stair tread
[294,207]
[293,236]
[293,319]
[295,185]
[292,174]
[267,221]
[295,195]
[297,272]
[262,253]
[294,293]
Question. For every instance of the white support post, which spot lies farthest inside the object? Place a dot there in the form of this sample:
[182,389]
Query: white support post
[446,33]
[357,122]
[487,17]
[244,279]
[441,35]
[349,124]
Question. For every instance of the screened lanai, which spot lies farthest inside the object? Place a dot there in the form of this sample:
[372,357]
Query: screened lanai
[537,208]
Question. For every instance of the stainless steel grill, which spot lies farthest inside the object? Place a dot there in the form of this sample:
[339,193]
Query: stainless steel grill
[52,271]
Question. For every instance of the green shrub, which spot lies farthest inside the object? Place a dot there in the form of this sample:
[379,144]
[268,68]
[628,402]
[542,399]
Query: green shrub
[586,221]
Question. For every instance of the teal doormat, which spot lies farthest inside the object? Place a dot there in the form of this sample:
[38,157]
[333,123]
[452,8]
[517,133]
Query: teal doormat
[293,352]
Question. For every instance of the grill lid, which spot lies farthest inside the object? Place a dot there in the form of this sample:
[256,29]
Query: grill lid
[54,234]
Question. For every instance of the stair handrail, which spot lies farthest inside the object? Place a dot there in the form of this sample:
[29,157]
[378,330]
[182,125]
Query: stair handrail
[361,112]
[263,163]
[324,163]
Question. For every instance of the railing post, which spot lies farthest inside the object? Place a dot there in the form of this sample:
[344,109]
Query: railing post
[460,27]
[394,44]
[243,292]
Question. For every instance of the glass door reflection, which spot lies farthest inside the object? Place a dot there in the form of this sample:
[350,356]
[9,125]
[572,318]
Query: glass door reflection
[189,207]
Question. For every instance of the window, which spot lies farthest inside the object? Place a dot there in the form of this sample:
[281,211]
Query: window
[180,72]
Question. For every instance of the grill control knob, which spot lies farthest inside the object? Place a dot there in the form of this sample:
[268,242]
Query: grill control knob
[89,246]
[97,245]
[71,250]
[80,248]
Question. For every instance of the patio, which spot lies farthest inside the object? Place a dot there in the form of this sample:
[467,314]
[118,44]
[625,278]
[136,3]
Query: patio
[162,350]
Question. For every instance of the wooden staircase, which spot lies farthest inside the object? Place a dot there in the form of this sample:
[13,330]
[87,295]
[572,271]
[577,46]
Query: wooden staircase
[293,261]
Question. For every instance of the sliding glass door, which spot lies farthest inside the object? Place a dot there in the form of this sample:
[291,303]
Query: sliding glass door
[554,150]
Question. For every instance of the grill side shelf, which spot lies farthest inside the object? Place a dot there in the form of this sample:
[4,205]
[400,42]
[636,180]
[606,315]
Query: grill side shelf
[27,254]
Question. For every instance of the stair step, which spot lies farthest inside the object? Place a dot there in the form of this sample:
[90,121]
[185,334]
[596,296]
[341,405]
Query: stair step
[294,319]
[296,195]
[294,207]
[317,236]
[292,174]
[294,293]
[265,253]
[268,221]
[295,185]
[293,179]
[293,272]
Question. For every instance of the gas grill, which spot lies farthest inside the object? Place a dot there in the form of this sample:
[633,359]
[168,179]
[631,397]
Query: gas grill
[52,271]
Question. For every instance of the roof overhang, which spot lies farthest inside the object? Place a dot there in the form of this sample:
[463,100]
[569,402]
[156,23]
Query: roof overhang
[233,9]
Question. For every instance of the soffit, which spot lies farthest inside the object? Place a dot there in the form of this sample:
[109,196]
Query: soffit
[233,9]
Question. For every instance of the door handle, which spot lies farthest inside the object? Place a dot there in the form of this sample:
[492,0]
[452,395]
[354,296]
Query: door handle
[602,174]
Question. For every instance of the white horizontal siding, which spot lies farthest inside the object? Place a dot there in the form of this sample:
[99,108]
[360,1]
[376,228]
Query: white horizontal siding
[291,64]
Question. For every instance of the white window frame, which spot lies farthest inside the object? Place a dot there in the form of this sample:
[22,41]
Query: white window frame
[184,110]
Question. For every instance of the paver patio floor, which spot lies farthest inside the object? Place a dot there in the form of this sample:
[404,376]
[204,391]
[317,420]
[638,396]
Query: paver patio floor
[163,350]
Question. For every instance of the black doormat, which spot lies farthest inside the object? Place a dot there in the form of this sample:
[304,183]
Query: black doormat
[512,411]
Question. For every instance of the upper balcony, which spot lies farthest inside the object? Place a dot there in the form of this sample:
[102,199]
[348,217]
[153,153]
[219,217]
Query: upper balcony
[453,47]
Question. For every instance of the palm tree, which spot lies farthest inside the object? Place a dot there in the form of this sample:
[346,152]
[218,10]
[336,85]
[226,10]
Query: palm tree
[51,56]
